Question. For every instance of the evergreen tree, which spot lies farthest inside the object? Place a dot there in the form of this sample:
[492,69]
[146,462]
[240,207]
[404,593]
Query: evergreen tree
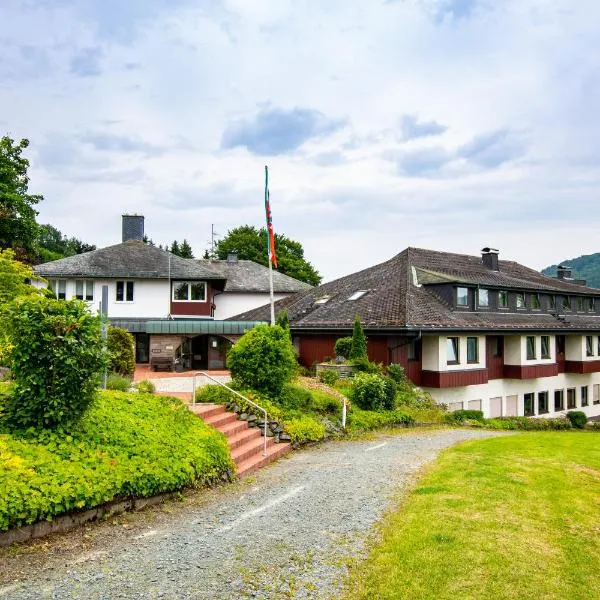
[283,321]
[359,341]
[175,248]
[185,250]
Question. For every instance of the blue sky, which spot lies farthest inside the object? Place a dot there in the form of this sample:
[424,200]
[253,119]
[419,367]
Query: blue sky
[446,124]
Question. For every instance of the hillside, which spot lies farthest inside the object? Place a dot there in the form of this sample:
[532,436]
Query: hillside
[584,267]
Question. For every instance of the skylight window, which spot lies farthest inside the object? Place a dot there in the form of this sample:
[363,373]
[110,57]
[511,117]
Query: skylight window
[322,300]
[358,294]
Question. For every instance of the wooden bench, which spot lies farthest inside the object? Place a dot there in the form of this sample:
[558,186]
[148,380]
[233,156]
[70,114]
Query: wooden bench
[161,362]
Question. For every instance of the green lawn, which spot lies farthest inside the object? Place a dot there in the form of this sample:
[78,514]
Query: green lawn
[508,517]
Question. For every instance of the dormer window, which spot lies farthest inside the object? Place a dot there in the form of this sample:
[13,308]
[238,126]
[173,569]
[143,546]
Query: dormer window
[358,294]
[552,302]
[520,300]
[462,296]
[566,303]
[535,302]
[580,304]
[321,300]
[502,299]
[483,298]
[591,304]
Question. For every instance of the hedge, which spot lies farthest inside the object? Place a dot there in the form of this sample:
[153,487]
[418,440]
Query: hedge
[126,445]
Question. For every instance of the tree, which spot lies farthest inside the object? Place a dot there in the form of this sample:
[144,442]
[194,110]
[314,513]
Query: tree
[185,250]
[359,341]
[175,248]
[121,351]
[250,244]
[13,278]
[53,245]
[18,227]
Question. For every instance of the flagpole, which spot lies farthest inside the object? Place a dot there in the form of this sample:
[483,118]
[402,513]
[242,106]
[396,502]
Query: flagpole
[271,295]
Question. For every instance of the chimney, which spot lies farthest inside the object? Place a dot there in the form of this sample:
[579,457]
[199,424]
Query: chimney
[232,257]
[489,257]
[563,272]
[133,227]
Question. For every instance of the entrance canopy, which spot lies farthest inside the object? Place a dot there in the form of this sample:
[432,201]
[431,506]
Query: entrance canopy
[196,327]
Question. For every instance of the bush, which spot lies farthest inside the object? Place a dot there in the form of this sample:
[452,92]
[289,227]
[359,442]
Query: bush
[578,418]
[56,360]
[328,377]
[117,382]
[363,420]
[263,360]
[343,347]
[124,446]
[145,387]
[305,429]
[364,365]
[369,391]
[325,403]
[528,424]
[396,372]
[390,393]
[295,397]
[121,351]
[458,416]
[214,394]
[359,341]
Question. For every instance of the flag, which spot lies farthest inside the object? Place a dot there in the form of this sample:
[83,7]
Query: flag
[270,235]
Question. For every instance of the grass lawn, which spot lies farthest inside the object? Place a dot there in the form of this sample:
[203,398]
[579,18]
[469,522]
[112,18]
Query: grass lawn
[507,517]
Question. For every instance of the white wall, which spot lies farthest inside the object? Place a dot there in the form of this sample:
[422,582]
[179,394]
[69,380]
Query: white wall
[234,303]
[435,354]
[575,348]
[509,387]
[515,350]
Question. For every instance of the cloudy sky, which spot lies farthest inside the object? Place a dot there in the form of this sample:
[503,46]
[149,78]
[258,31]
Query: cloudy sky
[445,124]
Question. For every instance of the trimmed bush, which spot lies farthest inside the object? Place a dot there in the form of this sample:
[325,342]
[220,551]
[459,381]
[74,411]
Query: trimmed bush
[145,387]
[295,397]
[363,420]
[121,351]
[328,377]
[369,391]
[305,429]
[359,341]
[396,372]
[578,418]
[56,360]
[263,360]
[126,445]
[458,416]
[343,347]
[214,394]
[528,424]
[117,382]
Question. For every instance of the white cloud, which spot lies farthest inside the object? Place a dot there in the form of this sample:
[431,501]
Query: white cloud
[126,111]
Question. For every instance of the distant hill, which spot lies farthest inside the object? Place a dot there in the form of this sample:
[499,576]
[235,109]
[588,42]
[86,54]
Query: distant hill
[584,267]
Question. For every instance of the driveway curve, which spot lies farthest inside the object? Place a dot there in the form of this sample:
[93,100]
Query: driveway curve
[285,532]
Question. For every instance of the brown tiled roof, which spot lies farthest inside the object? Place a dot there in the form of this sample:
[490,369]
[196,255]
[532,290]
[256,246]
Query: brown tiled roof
[397,297]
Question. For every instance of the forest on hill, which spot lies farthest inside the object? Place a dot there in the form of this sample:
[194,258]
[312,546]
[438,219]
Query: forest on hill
[584,267]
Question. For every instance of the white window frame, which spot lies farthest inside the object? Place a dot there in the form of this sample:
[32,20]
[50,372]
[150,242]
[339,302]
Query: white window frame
[86,286]
[176,284]
[125,282]
[487,298]
[458,303]
[503,294]
[56,284]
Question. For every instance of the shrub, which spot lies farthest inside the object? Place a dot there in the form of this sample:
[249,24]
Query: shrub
[305,429]
[295,397]
[343,347]
[121,351]
[369,391]
[325,403]
[125,445]
[56,360]
[359,341]
[117,382]
[528,424]
[328,377]
[364,420]
[364,365]
[214,394]
[390,393]
[283,320]
[396,372]
[145,387]
[578,418]
[458,416]
[263,359]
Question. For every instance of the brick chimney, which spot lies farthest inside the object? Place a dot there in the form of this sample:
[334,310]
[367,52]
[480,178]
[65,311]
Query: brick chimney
[563,272]
[132,227]
[489,257]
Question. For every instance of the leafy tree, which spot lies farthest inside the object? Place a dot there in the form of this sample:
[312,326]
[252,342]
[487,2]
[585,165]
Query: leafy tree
[263,360]
[250,244]
[13,278]
[175,248]
[18,227]
[343,347]
[185,250]
[56,360]
[53,245]
[359,341]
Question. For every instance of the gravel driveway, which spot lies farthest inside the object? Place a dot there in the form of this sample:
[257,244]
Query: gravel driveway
[285,532]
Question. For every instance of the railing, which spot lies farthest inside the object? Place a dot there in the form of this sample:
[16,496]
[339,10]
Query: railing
[266,420]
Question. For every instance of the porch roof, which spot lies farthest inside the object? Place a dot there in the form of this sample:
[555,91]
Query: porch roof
[201,326]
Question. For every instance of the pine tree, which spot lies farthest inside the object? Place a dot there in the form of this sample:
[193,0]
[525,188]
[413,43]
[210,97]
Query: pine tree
[185,250]
[283,321]
[359,341]
[175,248]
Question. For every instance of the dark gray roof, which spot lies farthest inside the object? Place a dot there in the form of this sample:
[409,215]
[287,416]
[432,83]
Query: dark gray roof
[132,259]
[248,276]
[397,297]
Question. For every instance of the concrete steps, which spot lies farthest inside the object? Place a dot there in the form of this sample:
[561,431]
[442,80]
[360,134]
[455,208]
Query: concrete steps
[246,443]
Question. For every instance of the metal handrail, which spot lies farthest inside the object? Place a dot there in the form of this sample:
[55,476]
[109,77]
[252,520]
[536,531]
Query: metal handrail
[266,420]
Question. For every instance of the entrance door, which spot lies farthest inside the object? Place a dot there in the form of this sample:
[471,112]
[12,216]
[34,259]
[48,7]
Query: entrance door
[200,352]
[142,347]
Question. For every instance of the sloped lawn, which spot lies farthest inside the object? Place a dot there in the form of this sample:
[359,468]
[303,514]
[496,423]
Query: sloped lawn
[126,445]
[509,517]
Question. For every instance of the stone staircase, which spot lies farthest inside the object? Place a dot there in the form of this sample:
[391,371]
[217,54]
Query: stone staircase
[245,442]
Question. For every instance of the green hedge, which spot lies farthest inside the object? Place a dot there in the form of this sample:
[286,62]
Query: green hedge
[125,445]
[366,420]
[527,424]
[458,416]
